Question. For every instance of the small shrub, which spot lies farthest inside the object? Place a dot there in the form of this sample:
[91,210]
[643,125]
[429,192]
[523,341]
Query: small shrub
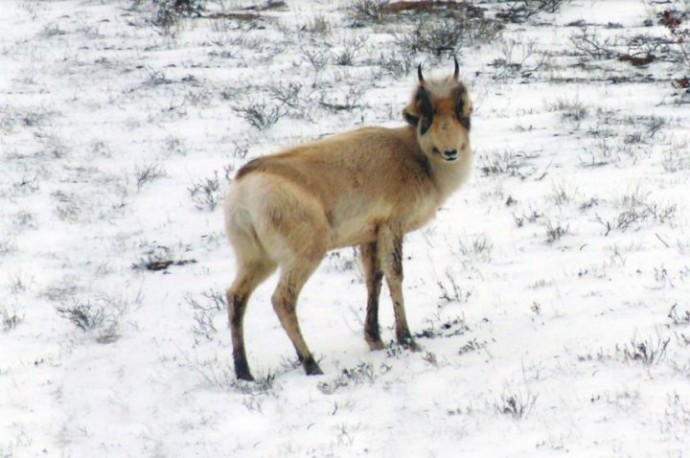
[317,57]
[471,345]
[562,195]
[398,64]
[160,258]
[206,194]
[520,11]
[350,49]
[479,247]
[451,327]
[447,35]
[372,10]
[346,101]
[510,163]
[555,230]
[146,174]
[221,375]
[262,115]
[319,25]
[10,318]
[362,373]
[572,110]
[514,58]
[205,312]
[450,290]
[590,45]
[87,317]
[637,208]
[649,352]
[288,95]
[679,319]
[169,13]
[516,405]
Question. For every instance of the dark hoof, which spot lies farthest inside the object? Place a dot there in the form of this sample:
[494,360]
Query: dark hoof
[373,338]
[242,370]
[375,345]
[408,343]
[311,368]
[246,376]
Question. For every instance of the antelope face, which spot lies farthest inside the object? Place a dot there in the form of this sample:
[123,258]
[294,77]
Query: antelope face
[440,111]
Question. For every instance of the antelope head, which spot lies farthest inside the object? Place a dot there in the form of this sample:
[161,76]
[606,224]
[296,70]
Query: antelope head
[440,112]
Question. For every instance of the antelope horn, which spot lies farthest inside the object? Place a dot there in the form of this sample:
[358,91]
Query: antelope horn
[457,68]
[419,74]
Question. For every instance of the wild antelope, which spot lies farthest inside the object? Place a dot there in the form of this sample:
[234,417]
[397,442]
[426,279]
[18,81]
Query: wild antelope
[365,188]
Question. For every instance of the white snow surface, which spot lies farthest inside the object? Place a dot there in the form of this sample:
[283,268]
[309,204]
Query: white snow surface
[550,295]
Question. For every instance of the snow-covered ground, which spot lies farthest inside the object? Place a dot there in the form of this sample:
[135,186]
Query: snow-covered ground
[550,295]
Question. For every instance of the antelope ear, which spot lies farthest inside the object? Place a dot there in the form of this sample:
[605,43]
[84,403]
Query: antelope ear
[410,115]
[460,99]
[419,108]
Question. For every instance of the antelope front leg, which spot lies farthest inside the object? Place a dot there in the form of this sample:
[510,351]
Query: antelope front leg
[390,255]
[373,275]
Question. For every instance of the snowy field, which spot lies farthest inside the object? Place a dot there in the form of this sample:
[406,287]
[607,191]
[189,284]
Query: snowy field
[550,296]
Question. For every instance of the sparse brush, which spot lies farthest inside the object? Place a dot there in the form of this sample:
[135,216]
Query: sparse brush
[159,258]
[555,230]
[530,216]
[514,59]
[437,327]
[679,318]
[470,346]
[346,101]
[450,290]
[169,13]
[571,110]
[676,22]
[87,316]
[148,173]
[317,57]
[508,162]
[262,115]
[516,405]
[591,45]
[447,35]
[478,247]
[318,25]
[676,418]
[221,376]
[206,193]
[289,95]
[362,373]
[561,194]
[372,10]
[649,352]
[349,50]
[398,64]
[637,208]
[519,11]
[205,312]
[10,318]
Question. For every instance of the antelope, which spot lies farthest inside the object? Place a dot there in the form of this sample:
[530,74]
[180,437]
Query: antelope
[366,188]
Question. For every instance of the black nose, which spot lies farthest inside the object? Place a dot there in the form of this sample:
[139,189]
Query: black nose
[450,154]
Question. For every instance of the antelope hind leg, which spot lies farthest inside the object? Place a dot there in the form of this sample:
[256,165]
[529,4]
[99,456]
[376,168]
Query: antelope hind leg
[250,274]
[285,302]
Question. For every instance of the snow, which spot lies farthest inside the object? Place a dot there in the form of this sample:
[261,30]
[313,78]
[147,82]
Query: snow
[550,293]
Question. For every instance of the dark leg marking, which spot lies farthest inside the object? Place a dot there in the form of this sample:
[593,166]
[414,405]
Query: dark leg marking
[374,277]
